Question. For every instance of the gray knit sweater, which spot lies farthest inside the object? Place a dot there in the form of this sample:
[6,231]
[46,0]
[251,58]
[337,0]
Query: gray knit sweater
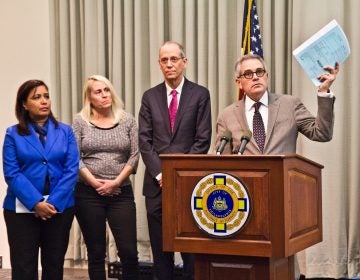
[105,152]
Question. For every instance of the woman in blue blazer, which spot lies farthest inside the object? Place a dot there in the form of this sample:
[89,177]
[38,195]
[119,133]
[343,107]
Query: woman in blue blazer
[40,162]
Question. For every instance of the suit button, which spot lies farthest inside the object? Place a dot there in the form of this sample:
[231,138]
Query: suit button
[44,162]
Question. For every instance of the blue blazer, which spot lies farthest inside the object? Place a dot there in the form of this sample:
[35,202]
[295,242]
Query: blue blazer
[26,163]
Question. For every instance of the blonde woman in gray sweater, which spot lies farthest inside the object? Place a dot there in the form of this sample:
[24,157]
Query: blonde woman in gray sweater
[107,138]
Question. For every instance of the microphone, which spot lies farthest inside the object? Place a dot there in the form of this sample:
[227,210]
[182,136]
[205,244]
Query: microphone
[244,140]
[223,141]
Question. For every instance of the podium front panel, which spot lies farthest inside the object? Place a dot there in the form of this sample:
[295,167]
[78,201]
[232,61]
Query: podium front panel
[282,197]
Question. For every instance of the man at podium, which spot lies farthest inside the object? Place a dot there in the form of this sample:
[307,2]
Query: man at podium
[273,119]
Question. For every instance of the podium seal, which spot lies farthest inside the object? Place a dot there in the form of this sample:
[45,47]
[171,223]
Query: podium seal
[220,204]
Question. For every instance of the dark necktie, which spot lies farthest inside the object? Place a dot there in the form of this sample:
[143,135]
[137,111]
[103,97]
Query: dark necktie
[258,127]
[173,109]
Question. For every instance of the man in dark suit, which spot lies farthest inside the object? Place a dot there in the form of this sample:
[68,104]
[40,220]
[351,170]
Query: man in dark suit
[283,116]
[160,132]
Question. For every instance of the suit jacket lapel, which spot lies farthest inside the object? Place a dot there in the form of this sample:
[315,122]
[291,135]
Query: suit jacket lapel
[239,112]
[272,116]
[34,141]
[184,102]
[161,101]
[51,137]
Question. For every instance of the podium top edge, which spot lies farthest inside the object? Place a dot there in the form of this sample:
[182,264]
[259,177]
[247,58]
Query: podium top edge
[213,156]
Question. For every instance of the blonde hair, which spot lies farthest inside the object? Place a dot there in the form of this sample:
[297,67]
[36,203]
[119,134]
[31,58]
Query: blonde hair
[117,106]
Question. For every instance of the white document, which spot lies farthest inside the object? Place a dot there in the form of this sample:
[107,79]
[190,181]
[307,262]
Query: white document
[327,46]
[21,208]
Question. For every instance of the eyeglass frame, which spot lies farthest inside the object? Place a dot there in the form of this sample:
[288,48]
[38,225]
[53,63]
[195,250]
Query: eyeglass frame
[173,59]
[248,74]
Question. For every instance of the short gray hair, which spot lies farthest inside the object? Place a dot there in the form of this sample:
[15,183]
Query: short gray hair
[247,57]
[181,48]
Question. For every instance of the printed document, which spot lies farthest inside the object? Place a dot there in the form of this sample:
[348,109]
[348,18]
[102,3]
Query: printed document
[21,208]
[327,46]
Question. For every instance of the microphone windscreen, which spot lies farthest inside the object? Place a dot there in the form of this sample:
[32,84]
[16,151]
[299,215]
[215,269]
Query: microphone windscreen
[226,135]
[245,138]
[224,139]
[246,135]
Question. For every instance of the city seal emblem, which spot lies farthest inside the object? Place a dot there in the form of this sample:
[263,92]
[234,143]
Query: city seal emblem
[220,204]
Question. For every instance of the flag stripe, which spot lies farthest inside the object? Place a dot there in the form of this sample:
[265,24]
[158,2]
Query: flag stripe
[246,36]
[251,36]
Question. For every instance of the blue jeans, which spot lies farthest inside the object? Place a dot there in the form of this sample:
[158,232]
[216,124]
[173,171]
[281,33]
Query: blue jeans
[92,211]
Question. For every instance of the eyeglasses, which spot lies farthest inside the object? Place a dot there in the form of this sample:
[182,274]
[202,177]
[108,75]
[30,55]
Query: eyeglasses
[248,74]
[172,59]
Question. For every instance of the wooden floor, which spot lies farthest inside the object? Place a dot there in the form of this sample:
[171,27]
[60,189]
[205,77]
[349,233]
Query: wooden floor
[69,274]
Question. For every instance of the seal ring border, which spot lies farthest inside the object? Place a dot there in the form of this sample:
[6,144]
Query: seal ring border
[198,192]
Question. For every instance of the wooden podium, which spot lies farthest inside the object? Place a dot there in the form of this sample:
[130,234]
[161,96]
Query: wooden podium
[285,218]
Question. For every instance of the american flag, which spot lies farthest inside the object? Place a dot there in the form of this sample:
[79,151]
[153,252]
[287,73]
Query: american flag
[251,36]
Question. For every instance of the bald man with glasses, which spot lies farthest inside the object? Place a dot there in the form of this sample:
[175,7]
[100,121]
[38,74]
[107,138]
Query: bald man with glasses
[175,117]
